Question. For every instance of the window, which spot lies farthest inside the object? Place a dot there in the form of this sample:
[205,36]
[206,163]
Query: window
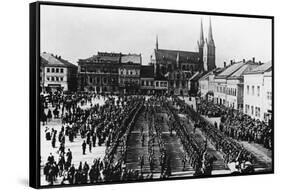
[247,109]
[53,70]
[258,90]
[253,90]
[57,78]
[48,78]
[61,70]
[142,83]
[252,110]
[183,83]
[157,83]
[269,95]
[53,79]
[248,89]
[258,112]
[57,70]
[61,78]
[48,70]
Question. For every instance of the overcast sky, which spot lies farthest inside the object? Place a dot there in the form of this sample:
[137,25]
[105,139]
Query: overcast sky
[78,33]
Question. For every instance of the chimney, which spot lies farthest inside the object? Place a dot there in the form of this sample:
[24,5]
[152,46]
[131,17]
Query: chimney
[253,59]
[243,60]
[224,64]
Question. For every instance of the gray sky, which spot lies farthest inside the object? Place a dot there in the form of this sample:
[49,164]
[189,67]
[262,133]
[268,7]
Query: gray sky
[76,33]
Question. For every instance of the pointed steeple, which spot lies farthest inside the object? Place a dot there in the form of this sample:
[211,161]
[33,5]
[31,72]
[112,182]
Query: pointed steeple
[156,42]
[201,40]
[210,34]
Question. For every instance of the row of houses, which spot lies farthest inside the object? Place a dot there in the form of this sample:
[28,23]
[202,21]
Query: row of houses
[120,73]
[243,85]
[102,73]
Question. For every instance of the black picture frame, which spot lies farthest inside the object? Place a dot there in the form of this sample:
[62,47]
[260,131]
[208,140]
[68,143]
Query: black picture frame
[34,108]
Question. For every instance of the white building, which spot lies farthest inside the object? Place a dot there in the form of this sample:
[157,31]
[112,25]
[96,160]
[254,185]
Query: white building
[229,89]
[207,83]
[57,74]
[258,92]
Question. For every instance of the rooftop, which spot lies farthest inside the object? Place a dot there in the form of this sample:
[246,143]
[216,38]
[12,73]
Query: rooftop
[163,55]
[196,76]
[48,59]
[131,58]
[215,71]
[248,66]
[229,70]
[261,69]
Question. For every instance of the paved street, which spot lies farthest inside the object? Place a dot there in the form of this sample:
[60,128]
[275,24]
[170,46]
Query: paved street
[172,144]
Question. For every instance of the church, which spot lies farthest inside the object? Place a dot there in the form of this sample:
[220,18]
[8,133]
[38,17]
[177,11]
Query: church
[181,68]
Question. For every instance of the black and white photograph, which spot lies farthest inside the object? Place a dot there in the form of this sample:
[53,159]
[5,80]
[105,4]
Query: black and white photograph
[132,95]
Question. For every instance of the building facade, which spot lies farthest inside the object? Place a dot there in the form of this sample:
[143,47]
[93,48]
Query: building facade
[179,66]
[129,74]
[57,74]
[229,84]
[258,92]
[99,73]
[161,85]
[110,73]
[147,79]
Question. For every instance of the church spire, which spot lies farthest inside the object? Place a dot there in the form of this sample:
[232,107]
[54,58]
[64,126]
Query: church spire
[156,42]
[201,40]
[210,35]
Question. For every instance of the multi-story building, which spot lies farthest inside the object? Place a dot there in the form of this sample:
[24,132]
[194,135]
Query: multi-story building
[129,73]
[110,73]
[147,79]
[258,92]
[161,85]
[207,83]
[179,66]
[99,73]
[229,84]
[57,74]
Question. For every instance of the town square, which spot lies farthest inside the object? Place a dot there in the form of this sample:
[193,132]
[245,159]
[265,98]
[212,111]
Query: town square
[120,115]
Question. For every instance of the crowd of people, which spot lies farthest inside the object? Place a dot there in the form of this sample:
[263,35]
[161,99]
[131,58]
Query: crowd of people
[238,125]
[110,124]
[155,123]
[199,158]
[233,151]
[98,125]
